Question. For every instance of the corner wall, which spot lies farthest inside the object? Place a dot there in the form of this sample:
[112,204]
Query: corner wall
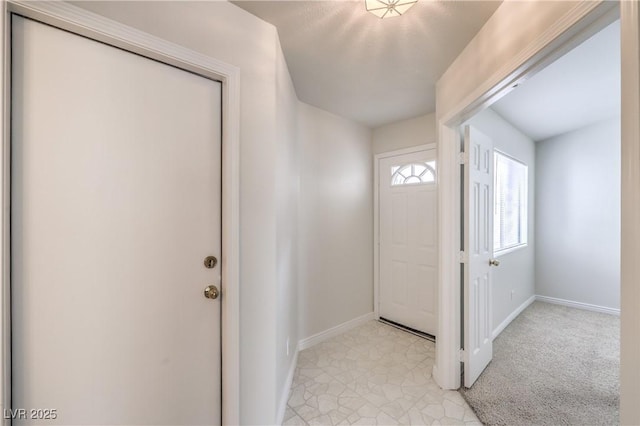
[578,215]
[336,220]
[517,268]
[287,194]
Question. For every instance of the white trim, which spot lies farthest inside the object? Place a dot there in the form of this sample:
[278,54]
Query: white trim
[376,236]
[410,150]
[447,370]
[579,305]
[284,396]
[567,32]
[513,315]
[523,207]
[376,213]
[509,250]
[630,244]
[5,364]
[71,18]
[334,331]
[80,21]
[569,303]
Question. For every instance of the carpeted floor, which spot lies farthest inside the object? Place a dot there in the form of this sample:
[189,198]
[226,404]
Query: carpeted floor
[552,365]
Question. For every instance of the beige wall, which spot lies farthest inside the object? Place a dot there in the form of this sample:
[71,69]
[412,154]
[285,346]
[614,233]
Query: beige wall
[405,134]
[336,220]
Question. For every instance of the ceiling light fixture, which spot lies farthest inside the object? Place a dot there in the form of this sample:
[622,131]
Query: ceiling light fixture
[388,8]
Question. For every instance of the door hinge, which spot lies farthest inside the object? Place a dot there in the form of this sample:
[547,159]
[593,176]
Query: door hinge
[463,158]
[461,355]
[462,257]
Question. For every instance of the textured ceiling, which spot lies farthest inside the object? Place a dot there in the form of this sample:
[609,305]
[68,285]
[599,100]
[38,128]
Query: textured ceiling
[349,62]
[578,89]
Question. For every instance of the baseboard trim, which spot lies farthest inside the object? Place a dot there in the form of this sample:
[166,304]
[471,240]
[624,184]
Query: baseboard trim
[334,331]
[512,316]
[579,305]
[284,397]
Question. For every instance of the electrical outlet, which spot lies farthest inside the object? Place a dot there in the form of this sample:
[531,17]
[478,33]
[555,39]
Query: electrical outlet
[287,346]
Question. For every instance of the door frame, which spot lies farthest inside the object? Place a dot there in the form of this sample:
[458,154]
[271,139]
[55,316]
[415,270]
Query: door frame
[84,23]
[574,27]
[580,22]
[376,214]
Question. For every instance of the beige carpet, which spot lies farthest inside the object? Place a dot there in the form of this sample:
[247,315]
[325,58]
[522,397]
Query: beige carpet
[552,365]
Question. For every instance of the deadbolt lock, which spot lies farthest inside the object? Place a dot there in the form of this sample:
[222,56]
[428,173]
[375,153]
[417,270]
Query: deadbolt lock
[210,262]
[211,292]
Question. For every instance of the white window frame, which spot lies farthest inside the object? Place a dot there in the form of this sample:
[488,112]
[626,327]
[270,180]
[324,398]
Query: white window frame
[524,205]
[430,167]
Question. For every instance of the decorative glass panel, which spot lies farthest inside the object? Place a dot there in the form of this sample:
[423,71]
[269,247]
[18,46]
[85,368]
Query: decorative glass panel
[414,173]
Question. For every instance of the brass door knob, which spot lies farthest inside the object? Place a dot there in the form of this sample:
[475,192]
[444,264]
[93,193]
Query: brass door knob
[211,292]
[494,262]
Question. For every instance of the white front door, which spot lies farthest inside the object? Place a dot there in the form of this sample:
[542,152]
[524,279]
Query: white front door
[478,247]
[115,203]
[408,240]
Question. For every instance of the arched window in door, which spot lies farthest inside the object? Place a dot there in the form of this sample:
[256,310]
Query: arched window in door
[414,173]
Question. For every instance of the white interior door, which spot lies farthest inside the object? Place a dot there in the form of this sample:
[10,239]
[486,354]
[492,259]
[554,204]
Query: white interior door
[478,243]
[408,240]
[116,176]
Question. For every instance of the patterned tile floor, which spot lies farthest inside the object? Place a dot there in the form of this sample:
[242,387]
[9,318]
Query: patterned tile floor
[374,374]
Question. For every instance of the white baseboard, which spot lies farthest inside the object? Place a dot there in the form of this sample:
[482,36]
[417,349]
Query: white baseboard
[334,331]
[579,305]
[284,397]
[512,316]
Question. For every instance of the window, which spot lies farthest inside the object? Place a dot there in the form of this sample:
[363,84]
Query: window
[510,199]
[413,173]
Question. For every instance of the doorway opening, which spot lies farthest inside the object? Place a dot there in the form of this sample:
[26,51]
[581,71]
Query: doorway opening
[551,234]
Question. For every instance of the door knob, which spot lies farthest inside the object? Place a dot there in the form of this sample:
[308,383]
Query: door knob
[211,292]
[494,262]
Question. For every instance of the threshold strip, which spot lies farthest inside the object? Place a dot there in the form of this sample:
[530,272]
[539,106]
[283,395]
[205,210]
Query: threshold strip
[408,329]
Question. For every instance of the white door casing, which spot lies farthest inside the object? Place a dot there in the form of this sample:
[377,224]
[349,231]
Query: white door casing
[557,31]
[478,249]
[408,246]
[115,203]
